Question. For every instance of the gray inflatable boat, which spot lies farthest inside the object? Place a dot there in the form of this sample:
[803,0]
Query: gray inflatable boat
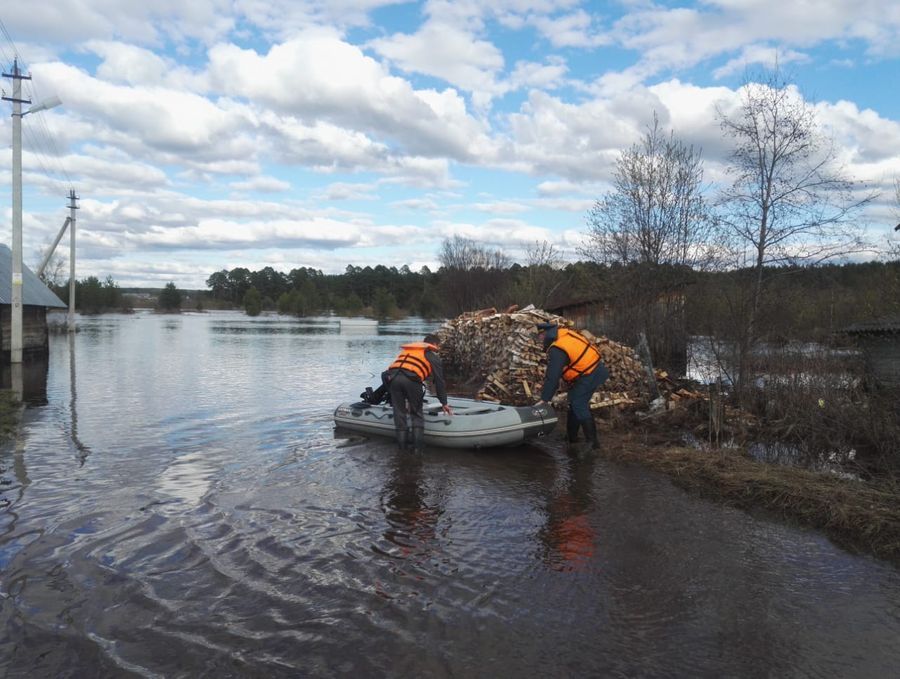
[474,424]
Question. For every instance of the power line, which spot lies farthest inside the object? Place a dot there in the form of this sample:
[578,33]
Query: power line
[41,140]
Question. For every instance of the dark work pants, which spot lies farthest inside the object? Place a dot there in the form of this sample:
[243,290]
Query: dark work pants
[581,391]
[407,396]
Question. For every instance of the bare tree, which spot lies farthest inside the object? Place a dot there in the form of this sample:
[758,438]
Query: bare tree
[789,204]
[656,224]
[56,271]
[541,277]
[656,212]
[465,254]
[789,201]
[471,273]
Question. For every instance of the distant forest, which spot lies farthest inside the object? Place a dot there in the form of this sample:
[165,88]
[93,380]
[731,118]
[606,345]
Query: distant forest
[802,302]
[664,302]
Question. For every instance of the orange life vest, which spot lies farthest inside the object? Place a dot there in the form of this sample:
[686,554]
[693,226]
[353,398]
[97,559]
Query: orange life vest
[412,358]
[583,356]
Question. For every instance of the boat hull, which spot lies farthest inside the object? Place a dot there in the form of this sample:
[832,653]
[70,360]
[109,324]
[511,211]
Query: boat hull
[474,424]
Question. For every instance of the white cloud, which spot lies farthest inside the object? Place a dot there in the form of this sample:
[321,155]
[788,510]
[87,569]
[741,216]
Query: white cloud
[148,23]
[680,37]
[318,76]
[347,191]
[576,142]
[575,29]
[262,184]
[142,119]
[134,65]
[764,55]
[558,188]
[445,52]
[501,207]
[424,204]
[547,75]
[866,136]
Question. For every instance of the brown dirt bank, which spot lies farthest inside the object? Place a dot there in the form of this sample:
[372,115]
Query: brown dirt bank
[861,516]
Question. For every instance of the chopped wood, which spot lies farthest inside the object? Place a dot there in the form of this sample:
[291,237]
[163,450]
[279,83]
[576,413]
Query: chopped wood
[500,351]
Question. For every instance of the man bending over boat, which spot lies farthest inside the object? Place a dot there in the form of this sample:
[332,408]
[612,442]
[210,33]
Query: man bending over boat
[572,357]
[406,379]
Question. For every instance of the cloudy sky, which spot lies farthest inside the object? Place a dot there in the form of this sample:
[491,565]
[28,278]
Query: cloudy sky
[211,134]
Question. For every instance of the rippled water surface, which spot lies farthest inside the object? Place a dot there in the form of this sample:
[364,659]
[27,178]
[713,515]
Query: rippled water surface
[177,505]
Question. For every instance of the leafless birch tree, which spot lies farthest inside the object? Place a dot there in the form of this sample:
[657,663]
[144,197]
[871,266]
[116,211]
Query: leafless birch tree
[656,212]
[789,203]
[655,228]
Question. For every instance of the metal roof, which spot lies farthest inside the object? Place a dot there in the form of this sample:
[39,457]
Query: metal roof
[34,292]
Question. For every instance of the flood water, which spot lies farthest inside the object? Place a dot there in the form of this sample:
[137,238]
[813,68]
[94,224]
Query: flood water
[176,504]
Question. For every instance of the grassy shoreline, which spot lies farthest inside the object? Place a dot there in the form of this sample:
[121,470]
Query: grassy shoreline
[860,516]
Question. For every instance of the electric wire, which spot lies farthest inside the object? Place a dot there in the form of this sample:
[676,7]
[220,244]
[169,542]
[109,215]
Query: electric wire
[41,141]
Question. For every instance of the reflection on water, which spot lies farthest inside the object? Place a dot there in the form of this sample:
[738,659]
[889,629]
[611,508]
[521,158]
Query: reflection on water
[187,478]
[180,506]
[27,380]
[82,449]
[568,535]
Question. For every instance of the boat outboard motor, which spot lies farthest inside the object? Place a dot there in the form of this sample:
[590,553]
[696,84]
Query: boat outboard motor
[376,396]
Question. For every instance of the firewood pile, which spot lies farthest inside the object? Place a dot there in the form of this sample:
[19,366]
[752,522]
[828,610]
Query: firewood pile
[675,392]
[500,353]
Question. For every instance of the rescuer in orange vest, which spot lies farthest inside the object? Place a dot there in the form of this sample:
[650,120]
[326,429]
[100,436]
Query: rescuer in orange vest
[572,357]
[406,377]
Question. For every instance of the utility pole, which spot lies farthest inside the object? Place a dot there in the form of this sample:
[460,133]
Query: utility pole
[72,208]
[15,337]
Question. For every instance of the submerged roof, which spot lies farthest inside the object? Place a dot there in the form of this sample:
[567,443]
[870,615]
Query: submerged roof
[34,292]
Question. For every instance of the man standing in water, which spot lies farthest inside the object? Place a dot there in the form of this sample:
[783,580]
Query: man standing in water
[406,376]
[572,357]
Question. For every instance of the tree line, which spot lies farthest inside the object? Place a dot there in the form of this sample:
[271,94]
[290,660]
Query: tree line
[802,302]
[93,296]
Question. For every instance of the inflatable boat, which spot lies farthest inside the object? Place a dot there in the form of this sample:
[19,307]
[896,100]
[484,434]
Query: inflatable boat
[474,424]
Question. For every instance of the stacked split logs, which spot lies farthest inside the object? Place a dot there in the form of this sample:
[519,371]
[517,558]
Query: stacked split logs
[499,351]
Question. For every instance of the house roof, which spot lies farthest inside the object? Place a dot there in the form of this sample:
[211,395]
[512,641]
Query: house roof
[885,324]
[34,292]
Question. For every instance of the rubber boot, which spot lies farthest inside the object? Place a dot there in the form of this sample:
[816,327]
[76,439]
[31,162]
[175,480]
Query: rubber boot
[571,428]
[402,439]
[418,440]
[590,433]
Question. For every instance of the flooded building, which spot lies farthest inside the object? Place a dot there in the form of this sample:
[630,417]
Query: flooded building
[879,340]
[37,298]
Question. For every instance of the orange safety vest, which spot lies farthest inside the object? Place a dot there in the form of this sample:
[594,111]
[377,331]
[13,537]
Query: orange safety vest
[412,358]
[583,356]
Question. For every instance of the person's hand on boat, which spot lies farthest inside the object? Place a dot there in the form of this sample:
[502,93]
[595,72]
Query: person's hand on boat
[447,409]
[540,404]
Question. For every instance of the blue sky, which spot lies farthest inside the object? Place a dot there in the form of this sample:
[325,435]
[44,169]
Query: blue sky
[213,134]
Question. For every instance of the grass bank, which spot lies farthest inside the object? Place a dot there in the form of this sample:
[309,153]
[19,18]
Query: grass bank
[860,516]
